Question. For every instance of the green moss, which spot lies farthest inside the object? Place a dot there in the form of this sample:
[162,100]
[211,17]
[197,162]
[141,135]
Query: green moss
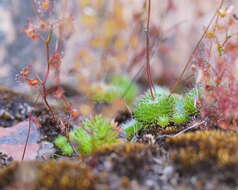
[131,127]
[62,143]
[128,89]
[119,87]
[190,101]
[93,134]
[105,93]
[149,110]
[180,115]
[164,108]
[163,121]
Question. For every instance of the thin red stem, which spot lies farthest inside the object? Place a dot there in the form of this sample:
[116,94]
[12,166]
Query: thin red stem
[47,43]
[28,135]
[147,33]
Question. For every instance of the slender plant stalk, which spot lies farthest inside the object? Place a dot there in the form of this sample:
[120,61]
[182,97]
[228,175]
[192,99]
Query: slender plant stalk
[28,135]
[47,43]
[147,33]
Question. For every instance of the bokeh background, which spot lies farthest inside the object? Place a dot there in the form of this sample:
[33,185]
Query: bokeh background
[106,37]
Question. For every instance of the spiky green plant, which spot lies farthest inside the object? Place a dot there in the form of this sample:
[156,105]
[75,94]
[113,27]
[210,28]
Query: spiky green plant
[62,143]
[92,135]
[131,127]
[179,115]
[155,110]
[163,109]
[190,100]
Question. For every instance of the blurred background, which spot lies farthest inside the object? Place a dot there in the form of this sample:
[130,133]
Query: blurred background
[102,38]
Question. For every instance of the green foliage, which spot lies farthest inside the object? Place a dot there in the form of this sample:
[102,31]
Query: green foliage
[131,127]
[157,110]
[190,100]
[151,112]
[163,120]
[179,115]
[93,135]
[62,143]
[163,109]
[119,87]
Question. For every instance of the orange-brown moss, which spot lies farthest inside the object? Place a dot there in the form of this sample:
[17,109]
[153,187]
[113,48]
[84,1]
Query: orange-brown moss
[121,148]
[117,167]
[64,175]
[210,149]
[50,175]
[7,175]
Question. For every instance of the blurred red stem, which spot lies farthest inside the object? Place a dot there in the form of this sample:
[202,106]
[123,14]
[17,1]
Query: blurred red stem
[28,135]
[47,43]
[147,33]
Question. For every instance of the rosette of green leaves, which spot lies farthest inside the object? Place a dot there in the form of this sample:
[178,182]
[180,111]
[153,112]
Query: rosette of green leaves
[92,135]
[165,108]
[155,110]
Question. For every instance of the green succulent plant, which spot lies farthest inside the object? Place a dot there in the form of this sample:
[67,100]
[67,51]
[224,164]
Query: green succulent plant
[119,87]
[190,100]
[131,127]
[62,143]
[92,135]
[163,109]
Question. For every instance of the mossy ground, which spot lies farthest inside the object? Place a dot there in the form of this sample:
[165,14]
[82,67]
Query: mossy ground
[209,149]
[196,159]
[122,166]
[137,166]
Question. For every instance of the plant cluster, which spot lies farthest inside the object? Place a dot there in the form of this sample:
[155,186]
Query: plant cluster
[51,29]
[215,61]
[92,135]
[164,109]
[119,87]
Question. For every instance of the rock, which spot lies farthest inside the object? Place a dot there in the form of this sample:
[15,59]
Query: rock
[14,107]
[13,139]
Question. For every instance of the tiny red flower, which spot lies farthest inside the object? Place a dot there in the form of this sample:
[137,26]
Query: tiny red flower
[33,82]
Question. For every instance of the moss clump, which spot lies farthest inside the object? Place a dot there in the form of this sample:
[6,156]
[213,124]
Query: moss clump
[49,175]
[64,175]
[62,143]
[190,101]
[7,175]
[154,111]
[211,149]
[131,127]
[119,87]
[165,108]
[92,135]
[121,166]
